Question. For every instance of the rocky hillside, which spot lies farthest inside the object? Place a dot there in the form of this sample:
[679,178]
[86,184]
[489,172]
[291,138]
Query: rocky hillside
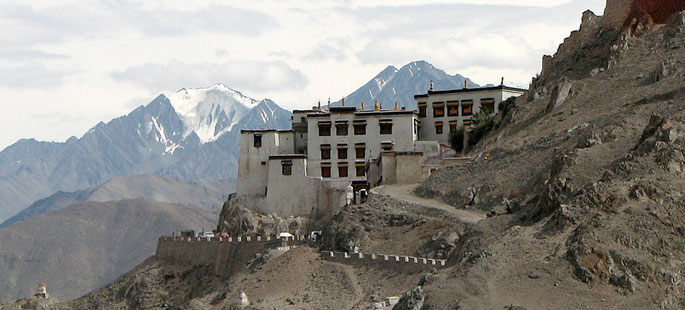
[87,245]
[207,196]
[581,182]
[400,85]
[192,137]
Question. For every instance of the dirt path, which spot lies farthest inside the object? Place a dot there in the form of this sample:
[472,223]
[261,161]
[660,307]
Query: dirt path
[406,193]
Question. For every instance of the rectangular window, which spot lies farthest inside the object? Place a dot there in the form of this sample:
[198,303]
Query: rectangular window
[386,127]
[359,128]
[342,170]
[422,109]
[287,167]
[453,125]
[386,145]
[324,129]
[360,150]
[438,109]
[466,107]
[326,170]
[341,128]
[467,122]
[488,104]
[342,151]
[438,128]
[452,108]
[257,140]
[325,151]
[360,169]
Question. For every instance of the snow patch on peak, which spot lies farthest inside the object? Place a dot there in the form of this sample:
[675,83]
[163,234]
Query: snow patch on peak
[210,111]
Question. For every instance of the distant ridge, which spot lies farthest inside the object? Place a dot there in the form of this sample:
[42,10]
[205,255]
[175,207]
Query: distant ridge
[392,85]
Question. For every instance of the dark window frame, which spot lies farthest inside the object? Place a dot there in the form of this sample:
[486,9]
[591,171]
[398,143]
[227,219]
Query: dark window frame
[345,169]
[341,129]
[286,167]
[326,171]
[439,108]
[439,128]
[385,127]
[325,151]
[453,108]
[342,154]
[360,169]
[257,142]
[360,148]
[359,128]
[324,129]
[464,105]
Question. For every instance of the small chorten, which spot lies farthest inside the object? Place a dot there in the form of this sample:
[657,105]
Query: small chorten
[41,291]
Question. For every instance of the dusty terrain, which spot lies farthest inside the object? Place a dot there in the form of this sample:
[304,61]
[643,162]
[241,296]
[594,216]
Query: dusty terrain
[86,245]
[582,183]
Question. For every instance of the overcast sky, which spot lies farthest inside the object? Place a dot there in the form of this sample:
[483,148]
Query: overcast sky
[65,65]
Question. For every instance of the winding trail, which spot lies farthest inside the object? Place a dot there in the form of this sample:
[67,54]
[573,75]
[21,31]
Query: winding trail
[406,193]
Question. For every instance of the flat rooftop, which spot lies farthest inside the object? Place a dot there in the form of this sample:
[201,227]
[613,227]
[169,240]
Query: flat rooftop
[468,90]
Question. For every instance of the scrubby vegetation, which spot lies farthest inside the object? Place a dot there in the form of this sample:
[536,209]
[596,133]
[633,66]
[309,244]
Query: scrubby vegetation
[456,138]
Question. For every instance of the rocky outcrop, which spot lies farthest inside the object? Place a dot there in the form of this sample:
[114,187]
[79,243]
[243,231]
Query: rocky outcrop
[236,219]
[411,300]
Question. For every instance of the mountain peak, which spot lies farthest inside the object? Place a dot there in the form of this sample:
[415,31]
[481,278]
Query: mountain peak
[392,85]
[210,111]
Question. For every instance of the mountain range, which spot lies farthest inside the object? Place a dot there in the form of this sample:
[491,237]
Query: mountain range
[207,196]
[192,137]
[400,85]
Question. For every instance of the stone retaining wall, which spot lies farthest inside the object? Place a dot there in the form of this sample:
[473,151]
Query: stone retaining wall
[395,262]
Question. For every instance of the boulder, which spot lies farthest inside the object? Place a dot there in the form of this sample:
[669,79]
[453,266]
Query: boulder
[411,300]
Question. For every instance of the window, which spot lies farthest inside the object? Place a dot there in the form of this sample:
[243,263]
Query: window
[438,109]
[286,167]
[325,151]
[466,107]
[386,127]
[326,170]
[488,104]
[422,109]
[342,170]
[438,128]
[324,128]
[453,125]
[453,108]
[341,128]
[360,169]
[359,128]
[360,150]
[467,122]
[257,140]
[342,151]
[386,145]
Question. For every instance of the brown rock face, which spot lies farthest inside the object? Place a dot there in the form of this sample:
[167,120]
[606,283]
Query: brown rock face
[654,11]
[619,14]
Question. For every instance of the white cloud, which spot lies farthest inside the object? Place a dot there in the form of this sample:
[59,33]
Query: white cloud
[251,76]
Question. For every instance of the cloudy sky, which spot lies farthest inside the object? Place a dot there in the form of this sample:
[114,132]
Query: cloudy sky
[66,65]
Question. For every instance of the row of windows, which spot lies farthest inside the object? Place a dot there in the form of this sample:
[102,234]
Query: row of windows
[359,150]
[452,124]
[343,170]
[341,128]
[453,107]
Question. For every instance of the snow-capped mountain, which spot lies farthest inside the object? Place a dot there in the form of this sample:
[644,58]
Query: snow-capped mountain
[193,136]
[212,111]
[400,85]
